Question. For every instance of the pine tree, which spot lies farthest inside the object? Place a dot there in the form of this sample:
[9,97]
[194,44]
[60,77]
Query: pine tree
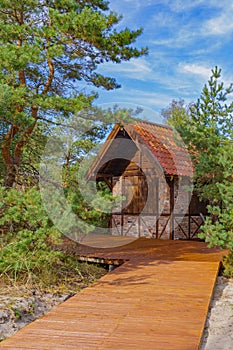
[48,47]
[207,130]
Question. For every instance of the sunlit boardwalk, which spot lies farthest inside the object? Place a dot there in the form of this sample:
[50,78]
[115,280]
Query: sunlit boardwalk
[156,300]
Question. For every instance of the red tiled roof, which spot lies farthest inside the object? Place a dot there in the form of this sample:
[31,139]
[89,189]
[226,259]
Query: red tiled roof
[163,143]
[166,146]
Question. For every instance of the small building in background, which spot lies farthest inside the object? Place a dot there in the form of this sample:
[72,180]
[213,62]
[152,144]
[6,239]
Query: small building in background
[148,166]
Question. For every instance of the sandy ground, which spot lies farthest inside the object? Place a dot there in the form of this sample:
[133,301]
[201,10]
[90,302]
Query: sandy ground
[17,311]
[218,334]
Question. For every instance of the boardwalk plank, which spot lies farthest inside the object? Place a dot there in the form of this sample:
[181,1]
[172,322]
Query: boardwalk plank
[147,303]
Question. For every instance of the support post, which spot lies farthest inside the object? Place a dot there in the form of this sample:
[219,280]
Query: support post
[172,203]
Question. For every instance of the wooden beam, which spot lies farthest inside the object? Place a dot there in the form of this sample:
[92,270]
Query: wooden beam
[172,204]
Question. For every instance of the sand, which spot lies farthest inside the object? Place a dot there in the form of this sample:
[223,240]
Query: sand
[218,334]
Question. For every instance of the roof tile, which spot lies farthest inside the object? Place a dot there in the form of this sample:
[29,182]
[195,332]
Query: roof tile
[166,146]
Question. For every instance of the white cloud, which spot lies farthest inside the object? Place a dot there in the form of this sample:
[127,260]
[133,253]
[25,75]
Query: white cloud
[156,98]
[148,98]
[180,6]
[136,97]
[162,19]
[180,37]
[221,24]
[138,69]
[139,3]
[156,71]
[201,73]
[195,69]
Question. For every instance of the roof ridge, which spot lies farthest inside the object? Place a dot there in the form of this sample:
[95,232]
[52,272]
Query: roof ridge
[155,124]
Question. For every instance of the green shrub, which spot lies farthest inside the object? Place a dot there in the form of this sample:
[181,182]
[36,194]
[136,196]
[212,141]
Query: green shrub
[27,236]
[228,265]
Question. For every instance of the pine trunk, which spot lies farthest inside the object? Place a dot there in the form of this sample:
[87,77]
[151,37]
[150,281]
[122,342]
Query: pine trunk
[10,177]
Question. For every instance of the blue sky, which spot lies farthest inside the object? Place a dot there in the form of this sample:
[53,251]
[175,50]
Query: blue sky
[186,39]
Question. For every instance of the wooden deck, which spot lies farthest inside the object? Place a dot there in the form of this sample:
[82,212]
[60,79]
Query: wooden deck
[157,300]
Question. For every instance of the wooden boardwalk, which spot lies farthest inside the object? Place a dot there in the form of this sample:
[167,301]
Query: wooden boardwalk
[157,300]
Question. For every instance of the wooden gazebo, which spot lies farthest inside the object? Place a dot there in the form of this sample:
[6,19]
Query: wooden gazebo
[148,165]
